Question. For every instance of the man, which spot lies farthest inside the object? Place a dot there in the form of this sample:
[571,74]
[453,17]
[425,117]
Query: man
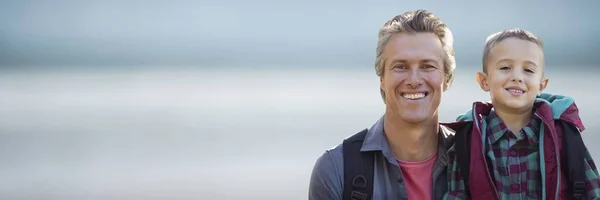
[415,63]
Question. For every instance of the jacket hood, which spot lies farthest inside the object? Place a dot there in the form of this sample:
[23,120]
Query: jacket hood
[561,108]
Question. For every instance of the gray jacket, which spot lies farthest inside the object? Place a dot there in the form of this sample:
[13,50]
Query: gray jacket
[327,179]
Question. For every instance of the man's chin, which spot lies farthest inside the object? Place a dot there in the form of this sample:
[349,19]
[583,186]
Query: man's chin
[411,117]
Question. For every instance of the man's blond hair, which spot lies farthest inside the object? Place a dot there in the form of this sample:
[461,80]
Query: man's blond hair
[498,37]
[419,21]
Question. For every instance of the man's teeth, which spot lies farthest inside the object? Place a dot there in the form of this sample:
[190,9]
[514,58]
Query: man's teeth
[414,96]
[515,91]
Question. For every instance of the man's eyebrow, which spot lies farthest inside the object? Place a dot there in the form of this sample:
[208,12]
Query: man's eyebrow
[422,60]
[429,60]
[399,61]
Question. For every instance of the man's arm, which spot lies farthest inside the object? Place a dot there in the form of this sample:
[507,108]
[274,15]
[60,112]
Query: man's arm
[456,185]
[327,176]
[592,185]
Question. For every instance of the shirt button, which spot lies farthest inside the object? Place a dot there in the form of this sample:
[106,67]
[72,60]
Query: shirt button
[513,153]
[515,187]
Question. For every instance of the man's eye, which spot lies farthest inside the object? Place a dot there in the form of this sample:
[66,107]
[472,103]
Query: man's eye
[428,67]
[399,67]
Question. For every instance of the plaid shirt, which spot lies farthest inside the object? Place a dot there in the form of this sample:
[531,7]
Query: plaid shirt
[515,159]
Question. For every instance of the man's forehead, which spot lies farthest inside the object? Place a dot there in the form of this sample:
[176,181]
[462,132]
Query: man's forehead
[414,47]
[415,55]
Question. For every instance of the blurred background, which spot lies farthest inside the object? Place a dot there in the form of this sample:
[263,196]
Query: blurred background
[229,99]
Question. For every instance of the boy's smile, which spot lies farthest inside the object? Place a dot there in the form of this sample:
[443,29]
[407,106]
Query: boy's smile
[515,91]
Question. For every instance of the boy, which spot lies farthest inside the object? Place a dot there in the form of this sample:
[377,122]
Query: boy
[513,147]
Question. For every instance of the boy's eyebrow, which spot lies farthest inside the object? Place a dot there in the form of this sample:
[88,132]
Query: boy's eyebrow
[531,63]
[505,60]
[510,60]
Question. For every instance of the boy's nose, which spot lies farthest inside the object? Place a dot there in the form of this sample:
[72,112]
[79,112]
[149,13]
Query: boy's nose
[517,77]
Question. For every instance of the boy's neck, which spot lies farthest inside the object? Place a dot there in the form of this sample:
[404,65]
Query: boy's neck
[514,120]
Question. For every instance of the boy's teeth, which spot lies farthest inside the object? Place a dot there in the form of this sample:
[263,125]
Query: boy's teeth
[414,96]
[515,91]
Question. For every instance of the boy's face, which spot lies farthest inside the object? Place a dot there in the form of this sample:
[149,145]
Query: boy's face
[514,74]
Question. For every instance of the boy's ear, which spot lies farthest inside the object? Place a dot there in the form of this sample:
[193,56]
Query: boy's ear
[543,84]
[482,79]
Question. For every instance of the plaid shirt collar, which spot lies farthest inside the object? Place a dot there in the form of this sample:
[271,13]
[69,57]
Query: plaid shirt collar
[497,129]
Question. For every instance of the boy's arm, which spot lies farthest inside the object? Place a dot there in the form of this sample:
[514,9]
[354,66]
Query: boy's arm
[592,185]
[456,185]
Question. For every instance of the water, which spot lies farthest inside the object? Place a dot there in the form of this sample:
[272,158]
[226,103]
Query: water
[199,134]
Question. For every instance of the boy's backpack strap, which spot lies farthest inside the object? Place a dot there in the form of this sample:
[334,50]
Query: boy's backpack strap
[358,169]
[575,149]
[462,144]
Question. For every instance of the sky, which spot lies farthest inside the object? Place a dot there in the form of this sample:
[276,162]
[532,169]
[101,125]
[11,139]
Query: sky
[289,34]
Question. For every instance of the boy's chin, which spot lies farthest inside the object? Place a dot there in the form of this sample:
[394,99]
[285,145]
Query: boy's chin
[515,105]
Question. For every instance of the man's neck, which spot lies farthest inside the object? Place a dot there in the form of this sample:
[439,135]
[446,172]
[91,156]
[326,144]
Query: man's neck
[411,142]
[513,119]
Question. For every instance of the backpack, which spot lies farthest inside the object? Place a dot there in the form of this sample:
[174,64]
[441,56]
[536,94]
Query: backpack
[358,168]
[572,143]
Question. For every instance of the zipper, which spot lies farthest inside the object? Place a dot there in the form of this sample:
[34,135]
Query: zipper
[556,153]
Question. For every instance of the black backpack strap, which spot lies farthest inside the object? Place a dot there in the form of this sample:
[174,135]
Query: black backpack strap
[575,149]
[462,145]
[358,169]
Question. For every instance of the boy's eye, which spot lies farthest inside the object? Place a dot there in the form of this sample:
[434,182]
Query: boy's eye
[529,71]
[504,68]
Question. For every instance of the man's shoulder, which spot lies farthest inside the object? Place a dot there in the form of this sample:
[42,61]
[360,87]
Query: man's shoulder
[333,158]
[334,153]
[326,181]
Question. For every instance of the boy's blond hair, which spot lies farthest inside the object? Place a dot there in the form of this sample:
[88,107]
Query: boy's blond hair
[498,37]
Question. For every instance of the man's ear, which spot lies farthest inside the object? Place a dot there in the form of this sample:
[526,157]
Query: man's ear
[381,85]
[447,82]
[482,80]
[446,85]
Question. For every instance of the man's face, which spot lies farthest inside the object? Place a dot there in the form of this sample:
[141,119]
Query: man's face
[413,76]
[514,74]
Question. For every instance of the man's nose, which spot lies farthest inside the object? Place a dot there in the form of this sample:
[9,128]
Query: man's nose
[414,79]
